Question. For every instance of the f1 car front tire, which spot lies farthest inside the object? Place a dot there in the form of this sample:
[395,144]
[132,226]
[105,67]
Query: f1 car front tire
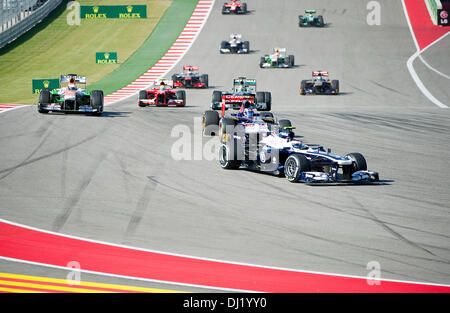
[296,164]
[142,95]
[181,95]
[44,99]
[228,156]
[97,101]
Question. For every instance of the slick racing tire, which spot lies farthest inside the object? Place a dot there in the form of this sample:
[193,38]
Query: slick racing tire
[284,123]
[211,123]
[227,128]
[296,164]
[359,162]
[228,156]
[246,45]
[303,87]
[268,98]
[216,97]
[262,60]
[204,79]
[142,95]
[223,45]
[97,101]
[300,20]
[291,61]
[181,95]
[44,98]
[244,8]
[335,86]
[320,21]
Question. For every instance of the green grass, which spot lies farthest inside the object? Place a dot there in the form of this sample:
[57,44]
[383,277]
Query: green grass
[53,48]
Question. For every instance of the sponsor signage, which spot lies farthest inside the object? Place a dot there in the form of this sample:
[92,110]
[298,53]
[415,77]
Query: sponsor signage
[442,17]
[106,57]
[113,11]
[39,84]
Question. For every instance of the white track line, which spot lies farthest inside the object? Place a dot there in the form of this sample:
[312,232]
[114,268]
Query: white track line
[411,60]
[199,258]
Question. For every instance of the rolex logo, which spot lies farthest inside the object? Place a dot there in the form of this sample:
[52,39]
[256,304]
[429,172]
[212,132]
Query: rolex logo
[95,9]
[107,55]
[129,8]
[46,83]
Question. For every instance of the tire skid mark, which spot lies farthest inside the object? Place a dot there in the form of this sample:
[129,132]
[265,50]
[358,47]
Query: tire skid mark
[391,231]
[73,200]
[42,130]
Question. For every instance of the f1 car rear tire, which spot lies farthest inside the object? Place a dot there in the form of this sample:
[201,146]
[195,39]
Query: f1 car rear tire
[142,95]
[246,45]
[204,79]
[223,45]
[181,95]
[244,8]
[303,87]
[300,20]
[44,98]
[211,123]
[296,164]
[320,21]
[335,86]
[291,59]
[97,101]
[260,97]
[216,96]
[268,98]
[261,62]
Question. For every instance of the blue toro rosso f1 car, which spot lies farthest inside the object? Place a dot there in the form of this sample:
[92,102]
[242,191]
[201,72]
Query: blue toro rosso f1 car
[279,153]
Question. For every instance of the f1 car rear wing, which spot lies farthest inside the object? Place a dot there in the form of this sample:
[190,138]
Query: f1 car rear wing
[310,11]
[78,79]
[237,36]
[192,68]
[167,82]
[247,82]
[317,73]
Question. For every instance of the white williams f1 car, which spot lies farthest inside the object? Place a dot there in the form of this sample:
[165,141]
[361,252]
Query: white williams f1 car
[235,45]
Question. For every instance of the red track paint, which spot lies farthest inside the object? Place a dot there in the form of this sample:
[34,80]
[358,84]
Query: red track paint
[37,246]
[424,29]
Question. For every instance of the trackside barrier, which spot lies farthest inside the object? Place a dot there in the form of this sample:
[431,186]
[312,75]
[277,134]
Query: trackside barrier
[27,23]
[433,7]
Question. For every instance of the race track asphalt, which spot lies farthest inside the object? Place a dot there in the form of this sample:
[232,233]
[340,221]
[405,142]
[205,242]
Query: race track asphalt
[114,178]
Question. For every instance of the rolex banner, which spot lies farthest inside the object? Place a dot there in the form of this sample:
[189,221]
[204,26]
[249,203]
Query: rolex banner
[39,84]
[113,11]
[106,57]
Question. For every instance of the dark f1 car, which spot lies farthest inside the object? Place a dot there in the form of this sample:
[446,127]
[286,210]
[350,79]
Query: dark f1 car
[243,90]
[162,94]
[190,78]
[70,98]
[235,45]
[310,19]
[320,84]
[234,7]
[279,153]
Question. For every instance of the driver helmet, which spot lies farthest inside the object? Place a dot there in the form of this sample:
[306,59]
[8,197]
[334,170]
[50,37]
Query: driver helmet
[249,113]
[162,86]
[72,84]
[241,86]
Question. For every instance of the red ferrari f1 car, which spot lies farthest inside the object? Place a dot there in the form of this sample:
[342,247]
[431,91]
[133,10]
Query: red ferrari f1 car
[162,94]
[234,7]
